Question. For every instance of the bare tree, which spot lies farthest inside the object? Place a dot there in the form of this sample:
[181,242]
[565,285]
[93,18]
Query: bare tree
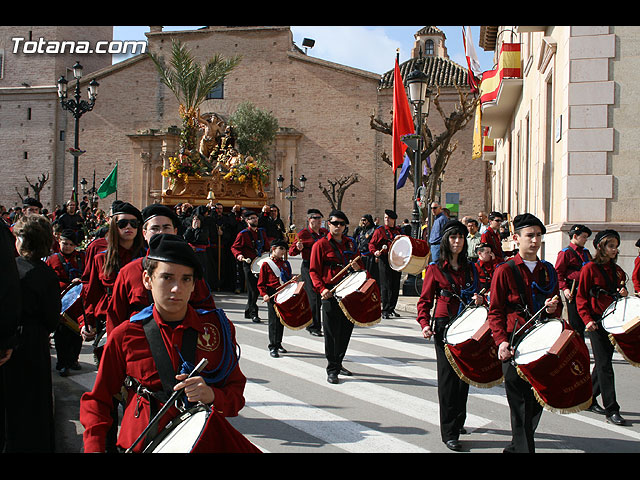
[36,187]
[337,188]
[439,147]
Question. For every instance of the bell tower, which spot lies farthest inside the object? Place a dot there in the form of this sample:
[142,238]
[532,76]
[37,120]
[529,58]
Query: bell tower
[430,41]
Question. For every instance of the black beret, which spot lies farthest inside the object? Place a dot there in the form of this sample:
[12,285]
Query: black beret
[579,229]
[165,247]
[494,215]
[391,214]
[279,243]
[31,202]
[158,210]
[456,225]
[249,213]
[605,234]
[314,211]
[339,214]
[482,245]
[70,235]
[528,220]
[638,243]
[126,207]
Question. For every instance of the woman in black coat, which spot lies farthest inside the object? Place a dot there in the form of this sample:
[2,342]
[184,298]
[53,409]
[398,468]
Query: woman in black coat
[28,386]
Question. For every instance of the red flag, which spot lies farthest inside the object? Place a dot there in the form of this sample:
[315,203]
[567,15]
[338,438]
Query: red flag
[402,119]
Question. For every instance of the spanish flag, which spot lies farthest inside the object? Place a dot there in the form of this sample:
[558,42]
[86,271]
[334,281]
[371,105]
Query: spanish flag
[402,120]
[477,134]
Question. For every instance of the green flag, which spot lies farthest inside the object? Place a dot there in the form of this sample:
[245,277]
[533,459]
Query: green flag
[110,184]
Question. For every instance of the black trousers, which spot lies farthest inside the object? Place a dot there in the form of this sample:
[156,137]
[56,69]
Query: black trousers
[452,391]
[251,284]
[68,347]
[524,409]
[389,285]
[315,302]
[602,349]
[575,320]
[337,333]
[276,328]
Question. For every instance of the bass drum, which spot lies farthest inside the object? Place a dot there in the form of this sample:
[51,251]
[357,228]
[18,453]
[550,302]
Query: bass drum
[182,433]
[621,320]
[359,298]
[292,306]
[555,361]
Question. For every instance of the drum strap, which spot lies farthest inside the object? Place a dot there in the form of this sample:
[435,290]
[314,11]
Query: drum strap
[524,303]
[611,280]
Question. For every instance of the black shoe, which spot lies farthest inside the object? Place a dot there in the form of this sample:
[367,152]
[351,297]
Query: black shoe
[281,349]
[595,408]
[385,315]
[463,431]
[344,371]
[75,366]
[395,314]
[616,419]
[332,378]
[274,353]
[315,333]
[453,445]
[256,320]
[64,372]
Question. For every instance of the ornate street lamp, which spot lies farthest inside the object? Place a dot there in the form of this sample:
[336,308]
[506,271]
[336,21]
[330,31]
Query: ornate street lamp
[291,191]
[417,82]
[77,107]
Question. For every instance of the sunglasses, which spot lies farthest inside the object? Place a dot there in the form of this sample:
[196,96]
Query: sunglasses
[316,217]
[338,224]
[123,223]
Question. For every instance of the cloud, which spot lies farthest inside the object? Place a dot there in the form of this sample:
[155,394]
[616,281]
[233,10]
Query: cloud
[367,48]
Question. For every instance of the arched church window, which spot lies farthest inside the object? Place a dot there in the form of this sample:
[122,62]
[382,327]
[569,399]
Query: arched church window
[428,47]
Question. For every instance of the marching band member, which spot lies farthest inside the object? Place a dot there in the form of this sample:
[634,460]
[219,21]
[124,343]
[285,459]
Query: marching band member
[124,243]
[601,283]
[329,256]
[273,273]
[569,262]
[491,235]
[449,280]
[379,246]
[306,238]
[185,336]
[485,265]
[68,264]
[129,293]
[250,243]
[510,308]
[635,276]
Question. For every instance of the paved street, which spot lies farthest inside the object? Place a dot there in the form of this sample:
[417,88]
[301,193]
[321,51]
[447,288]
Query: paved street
[389,404]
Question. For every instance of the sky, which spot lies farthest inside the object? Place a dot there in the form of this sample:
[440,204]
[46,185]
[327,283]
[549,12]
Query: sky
[370,48]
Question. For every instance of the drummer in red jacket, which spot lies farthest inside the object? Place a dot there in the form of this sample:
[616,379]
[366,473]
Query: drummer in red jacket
[601,283]
[379,246]
[273,273]
[305,239]
[506,315]
[68,263]
[250,243]
[184,337]
[485,266]
[491,235]
[129,294]
[329,256]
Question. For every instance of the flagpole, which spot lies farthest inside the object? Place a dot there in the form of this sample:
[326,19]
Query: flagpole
[395,170]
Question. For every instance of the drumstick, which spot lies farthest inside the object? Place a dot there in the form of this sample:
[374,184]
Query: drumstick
[533,318]
[339,274]
[294,279]
[168,404]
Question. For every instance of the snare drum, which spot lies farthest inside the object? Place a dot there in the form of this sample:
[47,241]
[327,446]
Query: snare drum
[292,306]
[471,350]
[72,311]
[256,263]
[359,298]
[408,254]
[555,361]
[621,320]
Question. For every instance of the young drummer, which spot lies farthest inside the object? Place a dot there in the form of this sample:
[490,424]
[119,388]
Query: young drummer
[452,271]
[507,312]
[184,337]
[601,282]
[273,273]
[485,265]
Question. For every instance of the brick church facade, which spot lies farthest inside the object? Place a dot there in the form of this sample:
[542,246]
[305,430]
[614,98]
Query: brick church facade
[323,111]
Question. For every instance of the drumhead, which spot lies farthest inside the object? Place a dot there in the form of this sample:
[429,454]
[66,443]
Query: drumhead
[182,433]
[70,297]
[466,325]
[538,341]
[400,253]
[620,312]
[257,263]
[351,283]
[286,293]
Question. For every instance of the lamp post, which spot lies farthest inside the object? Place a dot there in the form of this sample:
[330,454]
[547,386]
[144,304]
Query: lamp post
[418,95]
[77,107]
[291,191]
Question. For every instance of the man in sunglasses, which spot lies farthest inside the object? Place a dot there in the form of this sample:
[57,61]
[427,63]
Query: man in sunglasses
[305,240]
[329,256]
